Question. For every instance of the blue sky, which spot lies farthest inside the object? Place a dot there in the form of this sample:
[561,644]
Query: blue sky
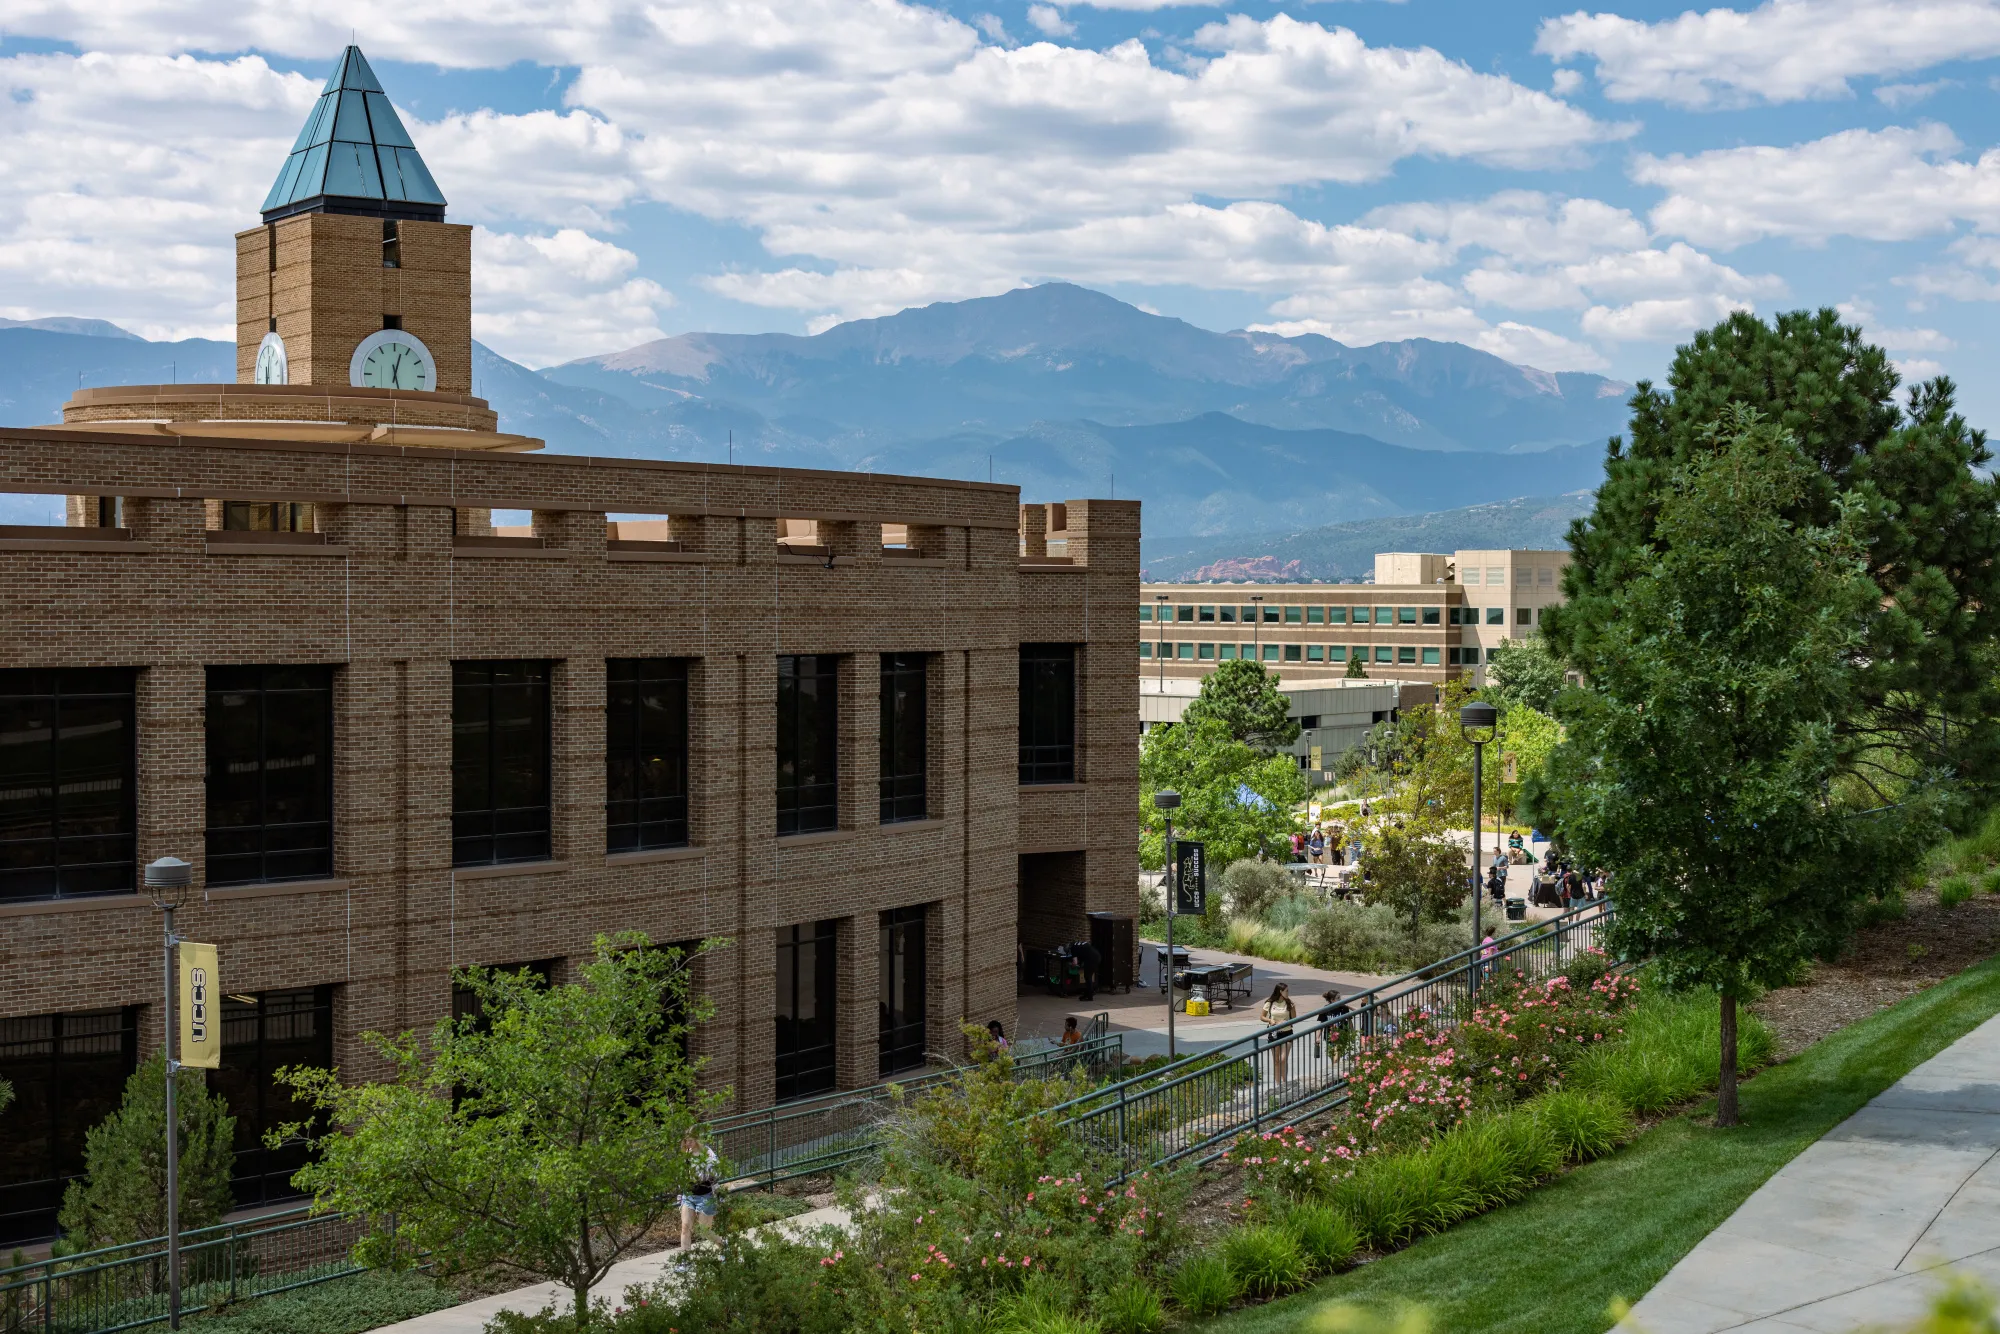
[1570,189]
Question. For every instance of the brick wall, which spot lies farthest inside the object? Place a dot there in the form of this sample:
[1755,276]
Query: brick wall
[392,601]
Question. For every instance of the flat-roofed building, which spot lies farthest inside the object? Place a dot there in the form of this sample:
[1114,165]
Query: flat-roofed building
[1428,616]
[281,638]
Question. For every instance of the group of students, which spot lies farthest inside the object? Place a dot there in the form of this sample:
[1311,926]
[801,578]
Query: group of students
[1554,883]
[1323,847]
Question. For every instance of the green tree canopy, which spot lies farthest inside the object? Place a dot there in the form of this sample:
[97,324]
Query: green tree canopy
[123,1194]
[1902,480]
[1727,658]
[543,1135]
[1419,874]
[1357,670]
[1524,671]
[1245,698]
[1212,771]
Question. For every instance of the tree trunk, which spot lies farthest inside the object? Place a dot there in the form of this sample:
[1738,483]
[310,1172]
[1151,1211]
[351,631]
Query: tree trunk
[1725,1093]
[582,1294]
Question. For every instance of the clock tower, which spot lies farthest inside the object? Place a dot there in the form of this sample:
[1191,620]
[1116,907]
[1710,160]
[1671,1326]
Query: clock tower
[355,280]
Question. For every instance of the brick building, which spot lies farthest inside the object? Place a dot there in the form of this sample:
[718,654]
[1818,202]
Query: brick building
[866,727]
[1427,617]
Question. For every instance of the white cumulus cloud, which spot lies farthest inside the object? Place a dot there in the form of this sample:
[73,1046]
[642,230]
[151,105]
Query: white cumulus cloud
[1781,51]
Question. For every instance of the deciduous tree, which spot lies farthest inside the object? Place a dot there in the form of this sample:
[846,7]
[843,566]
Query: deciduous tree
[1702,763]
[543,1136]
[1524,671]
[1235,798]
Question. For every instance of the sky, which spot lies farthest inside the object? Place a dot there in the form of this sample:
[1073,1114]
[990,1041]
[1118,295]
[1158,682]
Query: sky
[1569,189]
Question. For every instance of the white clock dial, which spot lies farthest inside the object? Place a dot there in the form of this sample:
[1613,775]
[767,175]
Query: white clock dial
[393,359]
[271,364]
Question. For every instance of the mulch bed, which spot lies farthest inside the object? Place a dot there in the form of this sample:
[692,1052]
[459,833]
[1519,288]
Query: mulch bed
[1885,963]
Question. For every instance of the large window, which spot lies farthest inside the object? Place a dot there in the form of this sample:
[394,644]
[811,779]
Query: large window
[67,747]
[645,754]
[902,1035]
[808,743]
[905,737]
[805,1051]
[499,762]
[261,1034]
[68,1073]
[270,779]
[1048,712]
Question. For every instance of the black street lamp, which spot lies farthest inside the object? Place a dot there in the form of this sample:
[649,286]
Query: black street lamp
[1479,723]
[167,883]
[1167,801]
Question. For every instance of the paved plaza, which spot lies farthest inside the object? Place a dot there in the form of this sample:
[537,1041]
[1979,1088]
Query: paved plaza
[1854,1231]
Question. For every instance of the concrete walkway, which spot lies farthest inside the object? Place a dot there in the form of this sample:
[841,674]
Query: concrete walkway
[1843,1235]
[642,1271]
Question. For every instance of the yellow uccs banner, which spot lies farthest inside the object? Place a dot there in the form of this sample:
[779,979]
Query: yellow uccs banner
[201,1007]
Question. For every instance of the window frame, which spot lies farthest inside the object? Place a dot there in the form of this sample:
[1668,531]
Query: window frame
[670,809]
[905,792]
[808,804]
[804,1071]
[538,842]
[316,862]
[901,1045]
[1047,737]
[59,874]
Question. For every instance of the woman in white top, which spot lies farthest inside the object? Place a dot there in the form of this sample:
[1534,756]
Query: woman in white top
[1279,1010]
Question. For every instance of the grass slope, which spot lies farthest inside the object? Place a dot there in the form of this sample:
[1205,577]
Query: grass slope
[1552,1263]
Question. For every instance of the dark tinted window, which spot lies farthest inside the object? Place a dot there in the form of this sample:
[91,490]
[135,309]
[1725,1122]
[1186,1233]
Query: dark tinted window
[808,743]
[646,754]
[805,1047]
[270,779]
[261,1034]
[1048,713]
[902,1013]
[68,1073]
[67,748]
[499,762]
[905,738]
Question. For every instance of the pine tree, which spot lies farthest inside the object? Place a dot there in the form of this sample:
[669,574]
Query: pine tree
[1925,698]
[1245,698]
[122,1196]
[1357,670]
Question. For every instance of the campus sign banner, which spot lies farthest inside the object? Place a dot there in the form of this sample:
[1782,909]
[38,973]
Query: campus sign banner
[201,1006]
[1190,877]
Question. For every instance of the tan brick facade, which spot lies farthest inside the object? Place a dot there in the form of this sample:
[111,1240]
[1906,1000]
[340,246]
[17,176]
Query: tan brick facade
[321,276]
[390,597]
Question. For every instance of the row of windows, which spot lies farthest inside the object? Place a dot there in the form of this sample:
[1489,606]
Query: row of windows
[1196,614]
[1406,653]
[1543,576]
[1293,615]
[69,758]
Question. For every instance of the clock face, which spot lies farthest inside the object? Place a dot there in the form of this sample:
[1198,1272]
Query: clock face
[393,359]
[271,366]
[395,365]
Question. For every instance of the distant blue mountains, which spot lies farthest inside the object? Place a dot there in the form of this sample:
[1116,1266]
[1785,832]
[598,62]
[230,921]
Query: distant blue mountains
[1057,388]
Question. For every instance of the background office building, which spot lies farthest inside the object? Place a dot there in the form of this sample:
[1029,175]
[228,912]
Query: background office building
[283,638]
[1427,617]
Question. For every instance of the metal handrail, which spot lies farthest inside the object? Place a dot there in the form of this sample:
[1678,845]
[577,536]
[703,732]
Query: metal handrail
[1201,1103]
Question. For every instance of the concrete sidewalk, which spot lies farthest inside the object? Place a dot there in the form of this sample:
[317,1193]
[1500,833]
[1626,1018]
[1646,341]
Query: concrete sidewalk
[642,1271]
[1843,1235]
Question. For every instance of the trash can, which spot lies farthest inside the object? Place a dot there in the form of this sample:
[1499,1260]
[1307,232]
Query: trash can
[1517,910]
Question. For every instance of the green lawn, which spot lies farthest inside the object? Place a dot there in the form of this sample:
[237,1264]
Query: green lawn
[1552,1263]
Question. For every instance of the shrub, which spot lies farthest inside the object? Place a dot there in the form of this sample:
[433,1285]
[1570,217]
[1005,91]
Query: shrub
[123,1196]
[1582,1125]
[1292,1161]
[365,1301]
[1395,1197]
[1325,1237]
[1250,886]
[1041,1307]
[1204,1285]
[1954,890]
[1265,1259]
[1990,882]
[739,1211]
[1131,1308]
[1281,945]
[745,1285]
[1669,1053]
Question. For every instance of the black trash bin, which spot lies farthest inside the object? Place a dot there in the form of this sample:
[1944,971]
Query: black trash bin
[1517,910]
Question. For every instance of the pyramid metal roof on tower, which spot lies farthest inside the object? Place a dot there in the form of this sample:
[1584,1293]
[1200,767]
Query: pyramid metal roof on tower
[354,156]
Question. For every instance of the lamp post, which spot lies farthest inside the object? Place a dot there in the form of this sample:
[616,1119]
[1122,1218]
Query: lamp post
[1479,723]
[1160,653]
[167,880]
[1167,802]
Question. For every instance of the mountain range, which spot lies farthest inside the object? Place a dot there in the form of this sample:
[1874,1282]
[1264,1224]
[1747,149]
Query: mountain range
[1057,388]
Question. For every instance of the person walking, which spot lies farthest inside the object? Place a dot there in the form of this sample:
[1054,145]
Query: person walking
[1316,847]
[698,1201]
[1487,949]
[1279,1009]
[1334,1024]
